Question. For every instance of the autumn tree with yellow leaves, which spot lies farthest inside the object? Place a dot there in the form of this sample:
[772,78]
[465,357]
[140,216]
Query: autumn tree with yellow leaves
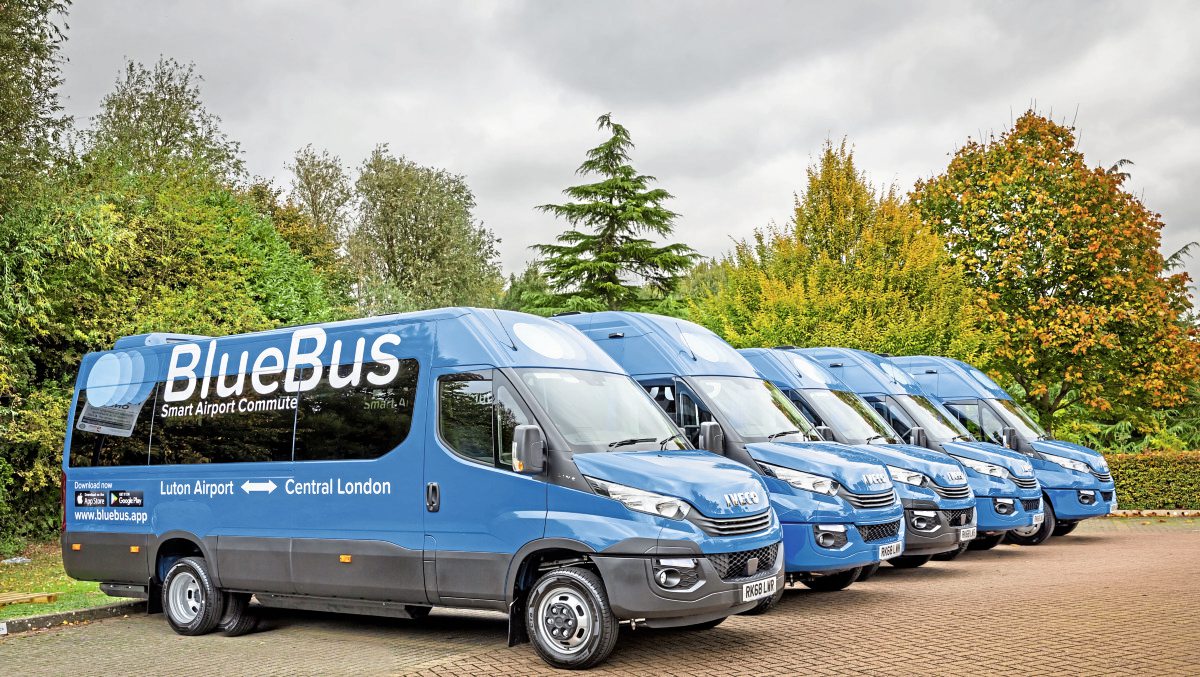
[1085,306]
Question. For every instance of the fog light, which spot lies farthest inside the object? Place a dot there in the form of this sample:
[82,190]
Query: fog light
[924,520]
[1087,497]
[830,535]
[1005,506]
[825,539]
[668,578]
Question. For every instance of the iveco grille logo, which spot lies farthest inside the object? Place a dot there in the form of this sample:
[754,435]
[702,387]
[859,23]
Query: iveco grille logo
[741,498]
[875,478]
[956,476]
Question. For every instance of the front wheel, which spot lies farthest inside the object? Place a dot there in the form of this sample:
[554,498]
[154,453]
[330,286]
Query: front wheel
[1035,535]
[952,554]
[190,600]
[1063,528]
[569,620]
[909,561]
[833,582]
[986,542]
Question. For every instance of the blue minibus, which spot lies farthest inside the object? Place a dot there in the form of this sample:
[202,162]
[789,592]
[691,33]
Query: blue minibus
[455,457]
[838,506]
[1007,494]
[1076,479]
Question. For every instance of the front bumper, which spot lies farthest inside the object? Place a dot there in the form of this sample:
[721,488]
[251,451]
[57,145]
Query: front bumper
[943,537]
[634,593]
[804,555]
[989,519]
[1072,504]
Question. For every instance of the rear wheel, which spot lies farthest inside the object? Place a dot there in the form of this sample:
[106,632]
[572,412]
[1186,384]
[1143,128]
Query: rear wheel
[1035,535]
[191,602]
[833,582]
[569,620]
[909,561]
[868,571]
[986,542]
[1063,528]
[238,619]
[952,554]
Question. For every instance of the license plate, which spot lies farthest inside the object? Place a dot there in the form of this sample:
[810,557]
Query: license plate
[1038,518]
[758,589]
[966,534]
[890,550]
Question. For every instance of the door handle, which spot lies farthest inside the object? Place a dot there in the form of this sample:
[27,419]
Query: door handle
[433,497]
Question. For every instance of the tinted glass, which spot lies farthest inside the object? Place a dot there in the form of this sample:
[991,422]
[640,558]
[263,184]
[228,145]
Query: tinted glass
[238,429]
[938,423]
[112,435]
[1016,417]
[755,408]
[477,414]
[356,421]
[849,416]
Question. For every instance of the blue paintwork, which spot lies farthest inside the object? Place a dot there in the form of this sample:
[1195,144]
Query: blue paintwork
[653,347]
[949,379]
[484,509]
[795,371]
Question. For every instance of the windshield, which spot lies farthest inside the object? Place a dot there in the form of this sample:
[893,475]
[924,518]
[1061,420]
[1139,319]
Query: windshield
[849,416]
[595,411]
[931,417]
[1016,417]
[754,408]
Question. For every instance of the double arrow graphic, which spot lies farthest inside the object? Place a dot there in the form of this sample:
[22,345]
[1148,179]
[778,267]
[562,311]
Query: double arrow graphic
[267,486]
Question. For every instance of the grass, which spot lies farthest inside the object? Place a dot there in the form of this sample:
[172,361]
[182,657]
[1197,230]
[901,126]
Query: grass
[45,574]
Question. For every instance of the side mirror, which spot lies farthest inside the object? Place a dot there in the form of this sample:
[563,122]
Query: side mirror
[528,450]
[1008,437]
[826,433]
[712,438]
[917,437]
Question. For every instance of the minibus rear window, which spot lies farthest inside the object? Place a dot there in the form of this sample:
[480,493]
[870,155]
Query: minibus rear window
[112,435]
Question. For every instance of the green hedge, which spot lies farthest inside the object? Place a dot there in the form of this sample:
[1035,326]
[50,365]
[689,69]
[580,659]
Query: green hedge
[1157,480]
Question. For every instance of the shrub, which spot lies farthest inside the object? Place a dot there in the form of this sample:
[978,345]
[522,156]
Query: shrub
[1157,480]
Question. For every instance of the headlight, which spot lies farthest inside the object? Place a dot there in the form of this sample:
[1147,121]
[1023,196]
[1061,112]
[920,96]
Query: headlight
[1070,464]
[802,480]
[984,468]
[906,476]
[642,501]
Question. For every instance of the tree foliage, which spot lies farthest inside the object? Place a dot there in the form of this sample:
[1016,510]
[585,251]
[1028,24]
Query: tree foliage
[321,188]
[1072,279]
[855,268]
[416,243]
[609,259]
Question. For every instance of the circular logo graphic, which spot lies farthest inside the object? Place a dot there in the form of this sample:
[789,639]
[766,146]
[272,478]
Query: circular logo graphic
[117,378]
[545,341]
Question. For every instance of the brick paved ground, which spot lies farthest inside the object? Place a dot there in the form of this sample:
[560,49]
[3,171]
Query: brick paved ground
[1116,597]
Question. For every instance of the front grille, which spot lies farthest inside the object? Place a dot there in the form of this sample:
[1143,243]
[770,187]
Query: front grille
[1031,504]
[731,526]
[1102,476]
[1026,482]
[731,566]
[868,501]
[1106,495]
[960,518]
[953,492]
[878,532]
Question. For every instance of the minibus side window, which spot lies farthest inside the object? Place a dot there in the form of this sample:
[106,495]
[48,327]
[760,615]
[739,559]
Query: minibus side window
[361,421]
[106,436]
[477,413]
[968,414]
[250,428]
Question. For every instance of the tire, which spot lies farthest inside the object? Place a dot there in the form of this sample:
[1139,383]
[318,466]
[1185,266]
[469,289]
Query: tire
[1032,536]
[867,572]
[833,582]
[952,554]
[238,619]
[191,603]
[986,542]
[764,605]
[1063,528]
[570,603]
[909,561]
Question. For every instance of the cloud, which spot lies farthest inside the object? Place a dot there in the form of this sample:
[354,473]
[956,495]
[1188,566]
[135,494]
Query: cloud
[727,102]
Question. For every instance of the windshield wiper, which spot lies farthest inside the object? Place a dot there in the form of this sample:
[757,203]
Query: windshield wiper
[781,434]
[961,438]
[662,444]
[632,440]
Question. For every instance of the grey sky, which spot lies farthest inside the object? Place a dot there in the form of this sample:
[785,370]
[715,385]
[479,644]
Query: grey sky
[727,102]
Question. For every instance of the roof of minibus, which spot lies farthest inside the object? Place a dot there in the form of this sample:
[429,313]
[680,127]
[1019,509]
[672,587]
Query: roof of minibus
[948,378]
[446,336]
[647,344]
[864,372]
[789,368]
